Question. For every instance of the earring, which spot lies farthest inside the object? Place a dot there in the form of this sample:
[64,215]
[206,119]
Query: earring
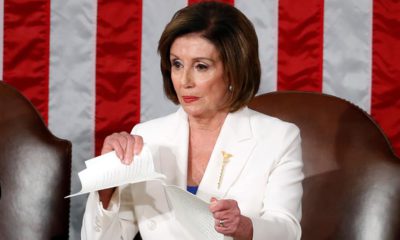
[230,88]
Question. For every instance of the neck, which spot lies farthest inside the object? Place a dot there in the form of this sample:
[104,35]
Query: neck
[208,124]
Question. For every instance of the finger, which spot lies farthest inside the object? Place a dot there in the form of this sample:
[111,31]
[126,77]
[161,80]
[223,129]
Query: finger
[225,214]
[227,227]
[119,145]
[224,230]
[213,202]
[129,145]
[222,222]
[224,227]
[106,146]
[111,143]
[222,204]
[138,144]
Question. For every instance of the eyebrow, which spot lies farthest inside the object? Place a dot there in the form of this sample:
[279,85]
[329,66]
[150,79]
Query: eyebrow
[196,59]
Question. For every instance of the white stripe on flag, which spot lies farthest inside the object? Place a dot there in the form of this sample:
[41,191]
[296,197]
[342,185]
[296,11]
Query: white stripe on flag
[347,50]
[72,74]
[156,14]
[264,16]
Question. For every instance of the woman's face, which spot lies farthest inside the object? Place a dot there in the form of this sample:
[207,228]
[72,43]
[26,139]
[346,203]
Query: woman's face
[197,74]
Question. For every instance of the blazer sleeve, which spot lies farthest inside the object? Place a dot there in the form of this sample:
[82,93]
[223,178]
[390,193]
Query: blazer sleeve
[116,222]
[113,223]
[281,212]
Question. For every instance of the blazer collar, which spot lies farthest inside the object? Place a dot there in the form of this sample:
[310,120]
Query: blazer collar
[179,136]
[236,139]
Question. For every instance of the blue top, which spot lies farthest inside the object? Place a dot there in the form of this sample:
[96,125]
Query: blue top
[192,189]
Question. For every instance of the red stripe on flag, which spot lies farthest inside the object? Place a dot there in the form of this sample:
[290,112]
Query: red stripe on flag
[300,45]
[119,33]
[231,2]
[26,50]
[385,102]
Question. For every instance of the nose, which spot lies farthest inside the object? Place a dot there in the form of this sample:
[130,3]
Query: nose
[187,78]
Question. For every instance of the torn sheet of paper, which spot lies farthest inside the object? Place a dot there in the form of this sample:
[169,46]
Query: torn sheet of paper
[107,171]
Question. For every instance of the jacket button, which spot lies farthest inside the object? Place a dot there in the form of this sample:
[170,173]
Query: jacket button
[151,225]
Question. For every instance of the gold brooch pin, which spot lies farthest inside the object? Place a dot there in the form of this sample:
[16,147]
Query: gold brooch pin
[225,159]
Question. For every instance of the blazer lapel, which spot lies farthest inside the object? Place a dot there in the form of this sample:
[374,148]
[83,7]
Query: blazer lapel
[174,164]
[236,139]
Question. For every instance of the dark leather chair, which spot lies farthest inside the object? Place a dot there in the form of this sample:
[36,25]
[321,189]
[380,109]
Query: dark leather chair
[352,177]
[35,169]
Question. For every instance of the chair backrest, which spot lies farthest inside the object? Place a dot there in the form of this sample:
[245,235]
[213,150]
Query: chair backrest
[35,169]
[352,183]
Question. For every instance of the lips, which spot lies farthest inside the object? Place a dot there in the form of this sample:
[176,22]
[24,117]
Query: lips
[190,99]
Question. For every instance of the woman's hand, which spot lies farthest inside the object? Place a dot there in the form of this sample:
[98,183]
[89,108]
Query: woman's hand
[229,221]
[125,146]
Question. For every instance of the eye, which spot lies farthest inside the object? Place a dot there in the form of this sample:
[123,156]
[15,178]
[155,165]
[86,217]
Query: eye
[201,67]
[176,63]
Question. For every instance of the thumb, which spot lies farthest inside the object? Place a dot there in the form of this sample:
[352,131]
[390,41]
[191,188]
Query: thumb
[213,200]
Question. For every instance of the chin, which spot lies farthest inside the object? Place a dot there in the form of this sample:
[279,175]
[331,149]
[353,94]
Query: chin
[193,111]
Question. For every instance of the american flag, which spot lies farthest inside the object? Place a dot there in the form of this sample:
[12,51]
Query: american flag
[91,66]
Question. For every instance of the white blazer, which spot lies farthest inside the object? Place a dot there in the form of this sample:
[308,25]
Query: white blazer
[263,175]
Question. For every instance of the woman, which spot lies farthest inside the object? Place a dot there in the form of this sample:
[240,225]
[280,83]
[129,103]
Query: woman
[248,165]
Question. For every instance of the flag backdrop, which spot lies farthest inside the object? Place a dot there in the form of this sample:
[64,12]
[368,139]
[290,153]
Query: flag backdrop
[91,66]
